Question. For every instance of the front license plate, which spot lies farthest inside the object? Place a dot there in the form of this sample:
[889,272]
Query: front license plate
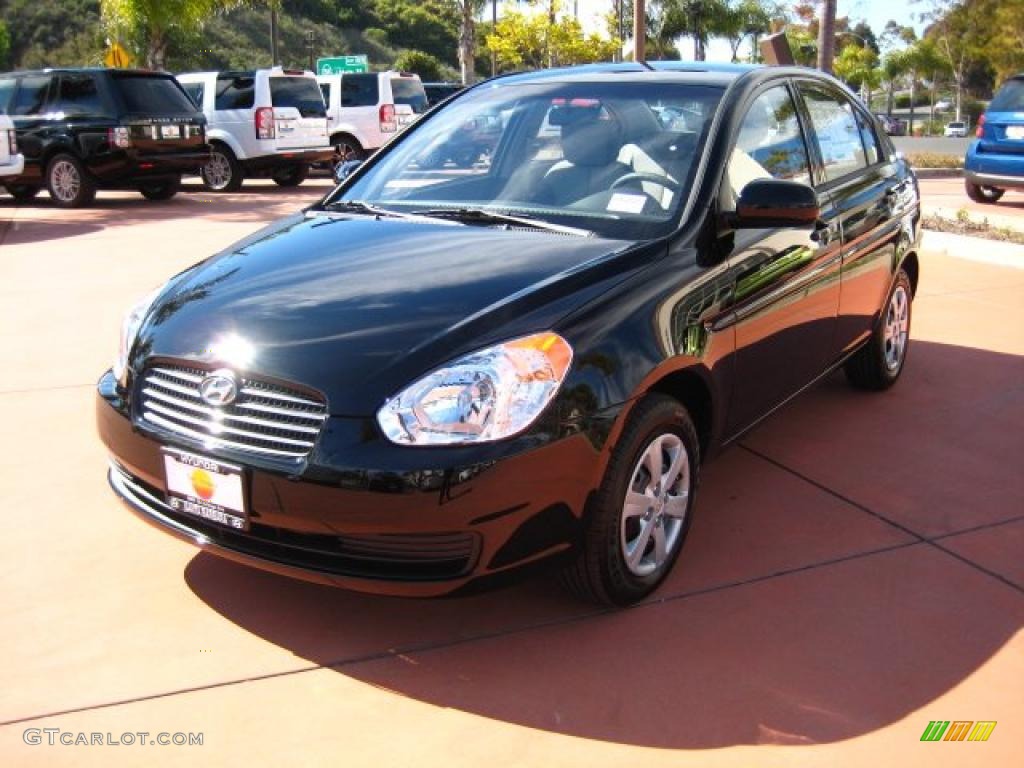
[1015,132]
[205,488]
[170,132]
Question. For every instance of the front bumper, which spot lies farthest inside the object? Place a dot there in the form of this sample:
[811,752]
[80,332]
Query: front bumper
[408,529]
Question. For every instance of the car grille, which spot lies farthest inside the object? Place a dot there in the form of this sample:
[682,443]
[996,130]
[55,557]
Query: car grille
[264,418]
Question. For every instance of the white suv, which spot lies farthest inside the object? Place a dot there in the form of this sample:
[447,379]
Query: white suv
[364,110]
[12,163]
[957,128]
[260,122]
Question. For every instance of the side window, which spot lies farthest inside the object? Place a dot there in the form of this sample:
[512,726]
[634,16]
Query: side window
[836,130]
[872,146]
[30,98]
[359,91]
[770,145]
[325,89]
[77,94]
[196,92]
[235,92]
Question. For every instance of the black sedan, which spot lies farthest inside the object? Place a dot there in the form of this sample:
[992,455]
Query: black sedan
[436,377]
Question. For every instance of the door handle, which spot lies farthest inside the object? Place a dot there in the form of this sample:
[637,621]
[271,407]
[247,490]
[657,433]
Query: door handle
[822,233]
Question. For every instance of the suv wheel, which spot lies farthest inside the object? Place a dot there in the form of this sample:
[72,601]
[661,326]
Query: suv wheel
[222,173]
[347,148]
[641,514]
[68,183]
[291,176]
[980,194]
[23,192]
[161,190]
[878,364]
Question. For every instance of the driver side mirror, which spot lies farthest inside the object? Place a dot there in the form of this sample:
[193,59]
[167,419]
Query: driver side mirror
[775,203]
[343,170]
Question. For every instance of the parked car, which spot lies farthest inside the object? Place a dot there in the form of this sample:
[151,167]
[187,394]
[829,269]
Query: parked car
[943,105]
[12,162]
[420,385]
[438,92]
[995,159]
[893,126]
[956,128]
[261,122]
[81,130]
[367,109]
[476,141]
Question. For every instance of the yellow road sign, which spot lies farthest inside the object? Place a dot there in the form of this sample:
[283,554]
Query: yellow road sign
[116,56]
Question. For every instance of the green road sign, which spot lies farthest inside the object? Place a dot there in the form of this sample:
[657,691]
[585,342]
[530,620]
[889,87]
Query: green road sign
[337,64]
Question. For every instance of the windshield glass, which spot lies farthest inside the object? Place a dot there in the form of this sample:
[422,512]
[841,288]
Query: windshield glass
[152,94]
[616,159]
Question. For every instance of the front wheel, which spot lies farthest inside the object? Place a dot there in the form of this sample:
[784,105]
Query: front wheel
[161,190]
[641,514]
[980,194]
[879,363]
[291,176]
[68,183]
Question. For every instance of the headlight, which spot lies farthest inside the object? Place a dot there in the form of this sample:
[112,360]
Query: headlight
[129,330]
[488,395]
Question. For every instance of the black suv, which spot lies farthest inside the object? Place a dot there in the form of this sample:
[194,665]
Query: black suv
[87,129]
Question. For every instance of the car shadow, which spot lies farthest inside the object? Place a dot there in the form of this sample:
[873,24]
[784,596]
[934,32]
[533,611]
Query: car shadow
[19,232]
[860,623]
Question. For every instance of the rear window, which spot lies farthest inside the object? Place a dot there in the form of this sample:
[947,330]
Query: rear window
[359,91]
[152,95]
[1010,97]
[302,93]
[235,92]
[956,125]
[408,90]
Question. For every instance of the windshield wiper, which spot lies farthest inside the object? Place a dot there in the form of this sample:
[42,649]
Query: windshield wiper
[358,206]
[482,216]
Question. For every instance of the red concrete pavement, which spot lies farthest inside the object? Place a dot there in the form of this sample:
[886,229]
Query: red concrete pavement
[854,569]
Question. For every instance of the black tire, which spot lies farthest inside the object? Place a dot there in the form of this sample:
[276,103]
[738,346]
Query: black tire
[980,194]
[67,181]
[877,365]
[466,157]
[22,193]
[291,176]
[600,572]
[223,173]
[346,148]
[164,189]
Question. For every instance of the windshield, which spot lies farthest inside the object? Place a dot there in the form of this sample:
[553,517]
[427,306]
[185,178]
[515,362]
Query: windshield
[615,159]
[152,94]
[302,93]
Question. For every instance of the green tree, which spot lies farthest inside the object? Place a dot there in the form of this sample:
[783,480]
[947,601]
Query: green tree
[5,46]
[858,67]
[423,64]
[895,65]
[697,19]
[533,41]
[431,26]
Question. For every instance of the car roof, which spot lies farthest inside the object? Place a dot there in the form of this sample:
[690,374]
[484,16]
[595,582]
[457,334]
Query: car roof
[91,70]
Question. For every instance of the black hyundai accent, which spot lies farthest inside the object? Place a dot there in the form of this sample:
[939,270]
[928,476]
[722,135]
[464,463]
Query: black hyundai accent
[438,376]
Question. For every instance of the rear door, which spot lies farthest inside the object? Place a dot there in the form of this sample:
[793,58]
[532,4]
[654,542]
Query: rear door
[360,94]
[856,172]
[160,116]
[300,118]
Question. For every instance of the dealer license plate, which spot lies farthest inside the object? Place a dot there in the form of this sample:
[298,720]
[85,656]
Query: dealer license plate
[205,488]
[1015,132]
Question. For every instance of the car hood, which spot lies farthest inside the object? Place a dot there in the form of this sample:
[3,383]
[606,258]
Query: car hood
[357,307]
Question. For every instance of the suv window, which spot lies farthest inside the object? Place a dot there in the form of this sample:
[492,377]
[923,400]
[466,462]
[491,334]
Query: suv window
[409,91]
[77,94]
[325,91]
[6,91]
[835,127]
[30,97]
[196,92]
[359,91]
[301,93]
[235,92]
[872,147]
[152,95]
[770,143]
[1010,97]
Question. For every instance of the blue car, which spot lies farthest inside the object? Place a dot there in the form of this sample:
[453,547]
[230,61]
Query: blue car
[995,160]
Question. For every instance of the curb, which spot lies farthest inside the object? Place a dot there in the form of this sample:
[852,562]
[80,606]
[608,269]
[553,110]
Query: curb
[996,252]
[939,173]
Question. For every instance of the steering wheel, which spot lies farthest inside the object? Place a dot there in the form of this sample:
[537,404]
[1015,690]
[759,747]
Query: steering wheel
[662,181]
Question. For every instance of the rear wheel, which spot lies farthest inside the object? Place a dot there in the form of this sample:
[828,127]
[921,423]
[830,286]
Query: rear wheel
[641,514]
[23,192]
[223,172]
[980,194]
[347,148]
[68,183]
[291,176]
[161,190]
[878,364]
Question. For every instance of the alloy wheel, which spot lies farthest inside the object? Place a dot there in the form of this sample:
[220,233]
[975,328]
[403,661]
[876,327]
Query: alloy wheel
[218,171]
[66,181]
[655,506]
[897,325]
